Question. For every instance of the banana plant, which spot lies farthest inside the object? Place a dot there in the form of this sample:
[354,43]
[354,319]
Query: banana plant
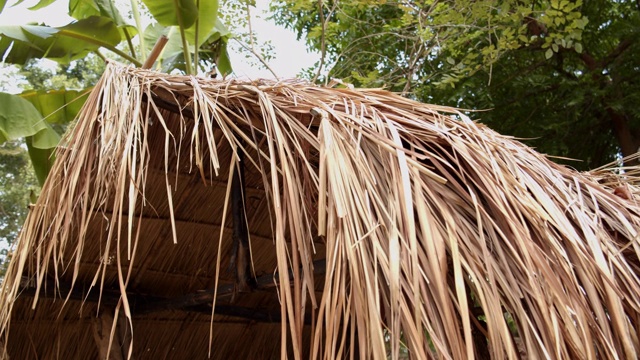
[197,39]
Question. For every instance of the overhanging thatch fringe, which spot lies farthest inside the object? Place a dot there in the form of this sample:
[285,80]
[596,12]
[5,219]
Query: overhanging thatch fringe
[438,231]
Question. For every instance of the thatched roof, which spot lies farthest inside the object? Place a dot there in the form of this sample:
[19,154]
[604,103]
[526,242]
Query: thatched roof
[376,225]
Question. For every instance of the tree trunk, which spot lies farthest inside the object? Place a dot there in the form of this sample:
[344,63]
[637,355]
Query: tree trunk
[629,143]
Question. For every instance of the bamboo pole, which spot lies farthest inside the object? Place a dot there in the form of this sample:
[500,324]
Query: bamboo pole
[155,52]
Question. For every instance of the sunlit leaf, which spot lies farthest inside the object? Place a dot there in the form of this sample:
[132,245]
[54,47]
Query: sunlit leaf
[224,63]
[61,44]
[82,9]
[173,12]
[207,22]
[42,4]
[57,106]
[18,118]
[46,138]
[41,159]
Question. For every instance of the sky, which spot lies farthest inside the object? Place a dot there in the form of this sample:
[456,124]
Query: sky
[290,57]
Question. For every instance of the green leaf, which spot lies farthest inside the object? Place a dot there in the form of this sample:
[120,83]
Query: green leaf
[46,138]
[2,5]
[82,9]
[578,48]
[33,196]
[223,63]
[17,3]
[18,118]
[173,12]
[57,106]
[554,47]
[207,22]
[41,159]
[62,44]
[548,54]
[41,4]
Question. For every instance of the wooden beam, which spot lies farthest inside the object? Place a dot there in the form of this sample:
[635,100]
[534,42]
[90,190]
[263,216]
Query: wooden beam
[142,304]
[206,296]
[240,256]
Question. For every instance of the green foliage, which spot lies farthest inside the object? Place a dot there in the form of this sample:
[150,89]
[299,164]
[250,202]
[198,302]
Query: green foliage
[39,116]
[173,12]
[42,157]
[64,44]
[17,186]
[25,123]
[20,119]
[56,106]
[207,25]
[82,9]
[77,75]
[237,14]
[559,73]
[41,4]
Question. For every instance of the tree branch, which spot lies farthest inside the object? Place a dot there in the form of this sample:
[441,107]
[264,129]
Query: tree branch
[251,47]
[323,45]
[258,56]
[621,48]
[589,61]
[263,282]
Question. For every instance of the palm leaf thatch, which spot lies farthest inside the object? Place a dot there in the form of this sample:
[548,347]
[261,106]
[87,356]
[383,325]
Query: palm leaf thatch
[377,225]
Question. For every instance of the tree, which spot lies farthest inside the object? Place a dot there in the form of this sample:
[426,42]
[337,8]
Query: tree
[78,75]
[561,74]
[18,186]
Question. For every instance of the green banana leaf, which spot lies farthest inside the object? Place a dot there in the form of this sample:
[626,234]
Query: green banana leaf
[42,4]
[207,21]
[173,12]
[20,43]
[57,106]
[82,9]
[41,159]
[20,119]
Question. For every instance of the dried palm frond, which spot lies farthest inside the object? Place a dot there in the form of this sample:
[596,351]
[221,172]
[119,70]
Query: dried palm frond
[439,235]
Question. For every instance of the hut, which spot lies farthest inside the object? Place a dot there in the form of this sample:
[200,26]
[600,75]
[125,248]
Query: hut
[188,218]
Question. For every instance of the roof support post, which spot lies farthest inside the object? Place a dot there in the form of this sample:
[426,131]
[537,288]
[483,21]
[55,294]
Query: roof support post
[109,348]
[241,252]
